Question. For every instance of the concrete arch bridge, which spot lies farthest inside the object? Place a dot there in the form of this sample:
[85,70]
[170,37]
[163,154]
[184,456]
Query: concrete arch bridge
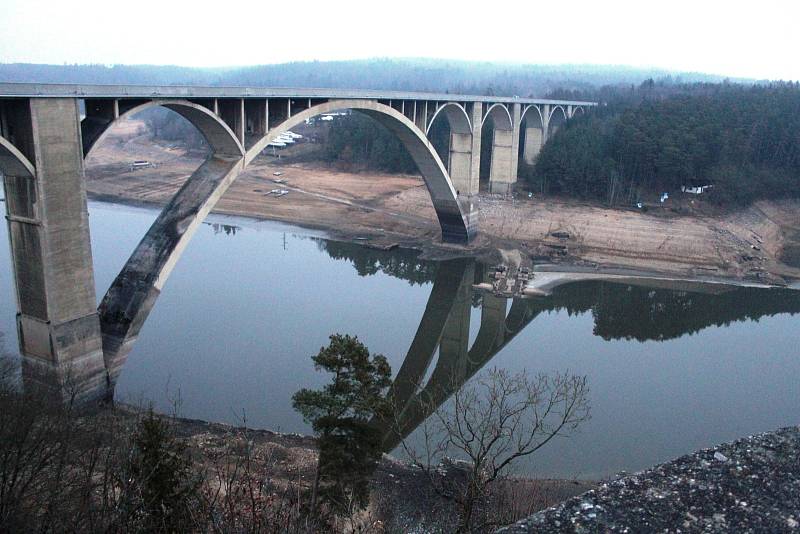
[47,130]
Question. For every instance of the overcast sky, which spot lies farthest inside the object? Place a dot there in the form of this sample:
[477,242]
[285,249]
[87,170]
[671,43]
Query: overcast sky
[754,39]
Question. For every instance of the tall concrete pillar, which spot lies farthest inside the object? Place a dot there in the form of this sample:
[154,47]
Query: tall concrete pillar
[58,325]
[502,165]
[516,112]
[534,138]
[460,163]
[545,123]
[476,121]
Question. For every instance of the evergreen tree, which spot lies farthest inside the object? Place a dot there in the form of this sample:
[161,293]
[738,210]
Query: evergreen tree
[341,414]
[162,470]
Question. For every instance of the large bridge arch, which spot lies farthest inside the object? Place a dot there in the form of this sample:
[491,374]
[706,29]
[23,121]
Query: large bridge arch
[456,219]
[129,300]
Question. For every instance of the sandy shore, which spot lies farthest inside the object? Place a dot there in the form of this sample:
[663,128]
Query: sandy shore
[396,210]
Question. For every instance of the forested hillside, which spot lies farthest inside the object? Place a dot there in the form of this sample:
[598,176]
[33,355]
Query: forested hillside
[743,140]
[436,75]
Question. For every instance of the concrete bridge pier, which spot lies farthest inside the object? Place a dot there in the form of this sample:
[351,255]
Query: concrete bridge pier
[534,138]
[533,123]
[516,121]
[460,164]
[57,321]
[465,153]
[503,164]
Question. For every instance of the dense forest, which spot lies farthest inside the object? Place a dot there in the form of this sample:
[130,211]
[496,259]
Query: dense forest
[356,139]
[743,140]
[361,142]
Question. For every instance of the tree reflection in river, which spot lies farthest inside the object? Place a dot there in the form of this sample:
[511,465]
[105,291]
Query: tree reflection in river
[651,310]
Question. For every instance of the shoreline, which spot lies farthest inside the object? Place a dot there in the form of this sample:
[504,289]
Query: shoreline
[572,267]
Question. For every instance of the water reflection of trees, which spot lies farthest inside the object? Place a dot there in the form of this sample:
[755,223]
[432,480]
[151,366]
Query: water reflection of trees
[620,311]
[227,229]
[642,313]
[399,263]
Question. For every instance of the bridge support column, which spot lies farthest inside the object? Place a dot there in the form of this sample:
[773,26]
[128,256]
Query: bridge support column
[534,138]
[475,119]
[516,112]
[461,163]
[57,321]
[502,165]
[545,123]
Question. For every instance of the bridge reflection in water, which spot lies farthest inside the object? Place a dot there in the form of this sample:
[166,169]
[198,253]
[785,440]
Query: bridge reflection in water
[446,325]
[643,310]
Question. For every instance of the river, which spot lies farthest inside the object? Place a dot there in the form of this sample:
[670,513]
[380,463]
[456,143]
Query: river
[231,336]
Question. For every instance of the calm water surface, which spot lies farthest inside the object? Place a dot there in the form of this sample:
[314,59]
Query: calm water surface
[249,302]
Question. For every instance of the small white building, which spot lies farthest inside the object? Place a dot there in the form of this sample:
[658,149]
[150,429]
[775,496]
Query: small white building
[695,190]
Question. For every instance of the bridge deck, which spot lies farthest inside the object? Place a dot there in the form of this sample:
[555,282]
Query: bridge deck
[27,90]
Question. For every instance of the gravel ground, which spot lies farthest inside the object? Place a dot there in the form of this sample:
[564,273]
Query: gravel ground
[750,485]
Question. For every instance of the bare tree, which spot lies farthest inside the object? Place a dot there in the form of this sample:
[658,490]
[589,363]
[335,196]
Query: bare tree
[490,422]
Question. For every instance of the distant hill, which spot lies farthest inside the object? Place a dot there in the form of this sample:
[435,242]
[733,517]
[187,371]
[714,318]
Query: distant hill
[433,75]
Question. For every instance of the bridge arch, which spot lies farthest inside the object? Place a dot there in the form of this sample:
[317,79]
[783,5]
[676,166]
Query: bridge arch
[450,131]
[456,115]
[556,111]
[13,162]
[533,115]
[456,221]
[133,293]
[18,176]
[558,116]
[220,137]
[500,115]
